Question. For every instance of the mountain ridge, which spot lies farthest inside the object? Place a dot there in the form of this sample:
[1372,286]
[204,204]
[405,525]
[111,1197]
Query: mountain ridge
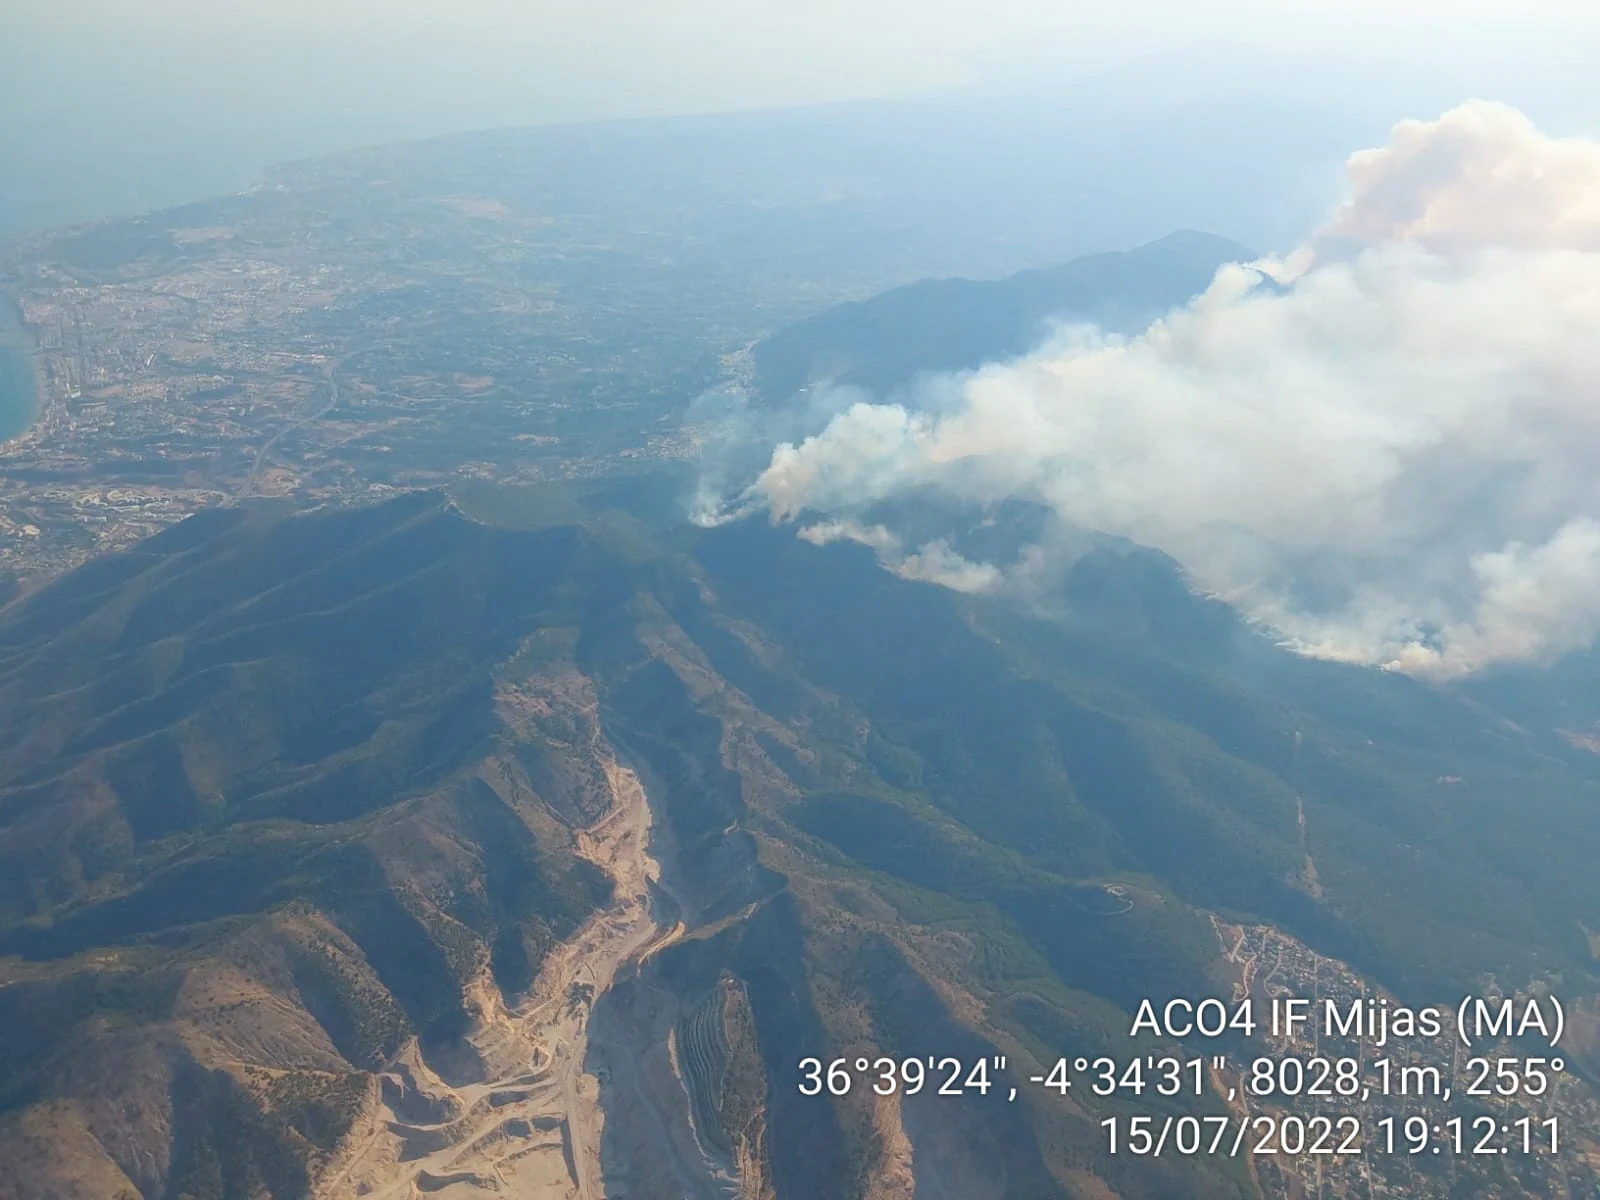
[954,324]
[310,939]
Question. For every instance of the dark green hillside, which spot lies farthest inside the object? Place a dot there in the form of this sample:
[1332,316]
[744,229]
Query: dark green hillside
[1157,736]
[959,324]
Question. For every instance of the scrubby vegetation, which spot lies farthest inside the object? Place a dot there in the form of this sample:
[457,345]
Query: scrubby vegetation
[312,749]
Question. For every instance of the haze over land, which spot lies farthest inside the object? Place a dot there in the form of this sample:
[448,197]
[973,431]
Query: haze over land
[109,108]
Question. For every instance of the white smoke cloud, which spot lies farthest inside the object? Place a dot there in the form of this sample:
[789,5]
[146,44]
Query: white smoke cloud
[1391,456]
[934,562]
[1481,175]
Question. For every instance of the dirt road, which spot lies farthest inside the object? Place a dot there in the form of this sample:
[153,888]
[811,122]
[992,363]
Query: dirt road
[533,1129]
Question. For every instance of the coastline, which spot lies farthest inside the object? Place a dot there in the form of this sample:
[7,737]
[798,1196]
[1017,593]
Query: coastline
[21,384]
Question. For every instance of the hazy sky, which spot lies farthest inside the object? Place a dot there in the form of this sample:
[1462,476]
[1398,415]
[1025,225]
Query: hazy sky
[132,103]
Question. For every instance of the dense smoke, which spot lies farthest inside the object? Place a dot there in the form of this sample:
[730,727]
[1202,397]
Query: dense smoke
[1385,447]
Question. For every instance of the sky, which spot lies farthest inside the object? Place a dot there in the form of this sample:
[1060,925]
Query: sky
[118,105]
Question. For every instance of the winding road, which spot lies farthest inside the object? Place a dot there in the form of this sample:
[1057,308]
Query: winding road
[266,447]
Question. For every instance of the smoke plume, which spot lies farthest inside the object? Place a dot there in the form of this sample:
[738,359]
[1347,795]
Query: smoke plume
[1385,447]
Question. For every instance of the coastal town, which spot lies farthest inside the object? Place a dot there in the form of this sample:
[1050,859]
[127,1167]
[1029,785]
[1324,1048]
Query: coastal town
[255,346]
